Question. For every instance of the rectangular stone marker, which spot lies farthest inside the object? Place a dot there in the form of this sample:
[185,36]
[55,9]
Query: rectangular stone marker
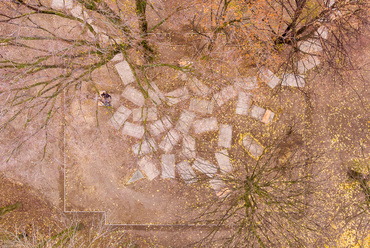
[205,167]
[257,112]
[269,77]
[185,121]
[293,80]
[144,114]
[252,146]
[117,57]
[186,172]
[201,106]
[168,166]
[227,93]
[170,140]
[134,96]
[125,73]
[205,125]
[144,147]
[322,32]
[267,118]
[223,161]
[176,96]
[247,83]
[243,103]
[310,46]
[218,185]
[154,93]
[188,147]
[149,168]
[119,117]
[61,4]
[307,63]
[198,87]
[225,136]
[133,130]
[160,126]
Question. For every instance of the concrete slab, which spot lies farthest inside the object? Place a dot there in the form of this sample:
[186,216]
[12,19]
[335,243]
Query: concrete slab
[310,46]
[188,147]
[133,130]
[176,96]
[224,95]
[117,57]
[185,121]
[205,167]
[144,147]
[223,161]
[149,168]
[125,73]
[119,117]
[160,126]
[246,83]
[144,114]
[136,177]
[168,166]
[252,146]
[170,140]
[205,125]
[201,106]
[243,103]
[154,93]
[133,95]
[322,32]
[186,172]
[78,12]
[198,87]
[292,80]
[257,112]
[219,186]
[307,63]
[269,77]
[225,136]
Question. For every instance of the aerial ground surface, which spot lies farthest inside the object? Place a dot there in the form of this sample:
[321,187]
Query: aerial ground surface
[228,124]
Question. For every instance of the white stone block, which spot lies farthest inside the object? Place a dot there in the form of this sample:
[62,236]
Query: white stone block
[225,136]
[310,46]
[307,63]
[323,32]
[223,161]
[168,166]
[198,87]
[119,117]
[61,4]
[243,103]
[149,168]
[185,121]
[219,186]
[252,146]
[160,126]
[247,83]
[201,106]
[186,172]
[257,112]
[269,77]
[125,73]
[154,93]
[170,140]
[176,96]
[117,57]
[227,93]
[133,130]
[188,147]
[293,80]
[134,96]
[78,12]
[205,167]
[144,147]
[144,114]
[205,125]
